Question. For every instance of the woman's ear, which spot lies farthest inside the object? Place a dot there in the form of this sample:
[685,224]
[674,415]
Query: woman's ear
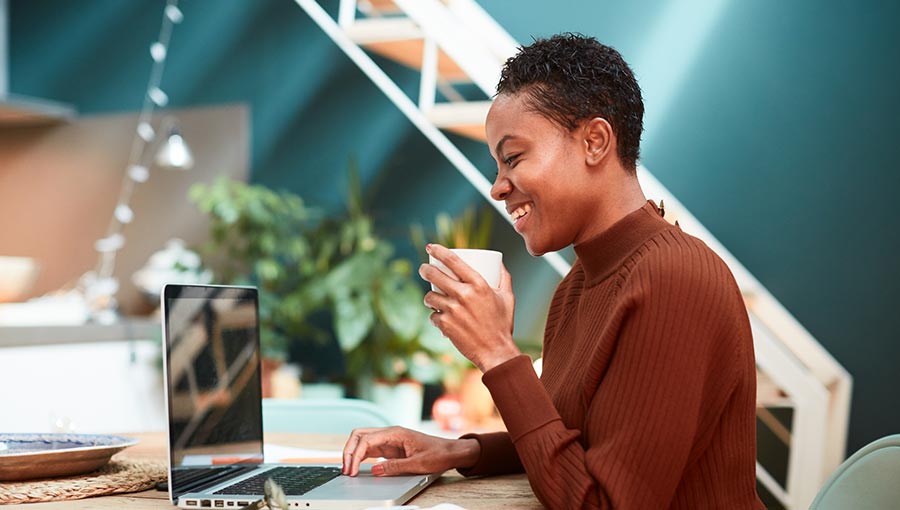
[599,140]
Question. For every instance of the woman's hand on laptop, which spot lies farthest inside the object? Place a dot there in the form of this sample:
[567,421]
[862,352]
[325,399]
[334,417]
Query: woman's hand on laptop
[407,452]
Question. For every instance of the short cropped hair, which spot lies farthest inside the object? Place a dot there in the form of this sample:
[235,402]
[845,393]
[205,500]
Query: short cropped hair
[570,78]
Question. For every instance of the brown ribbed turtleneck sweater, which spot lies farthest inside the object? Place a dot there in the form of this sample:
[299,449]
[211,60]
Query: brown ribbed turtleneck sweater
[647,397]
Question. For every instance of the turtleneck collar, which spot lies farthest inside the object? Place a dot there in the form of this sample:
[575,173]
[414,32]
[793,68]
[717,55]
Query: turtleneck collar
[602,254]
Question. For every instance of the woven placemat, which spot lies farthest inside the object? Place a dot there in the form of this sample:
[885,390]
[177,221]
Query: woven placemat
[117,477]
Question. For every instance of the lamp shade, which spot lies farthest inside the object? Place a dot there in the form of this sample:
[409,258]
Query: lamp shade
[174,152]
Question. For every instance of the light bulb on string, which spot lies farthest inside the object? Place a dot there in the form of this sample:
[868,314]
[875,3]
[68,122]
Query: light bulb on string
[158,97]
[139,173]
[158,51]
[174,14]
[145,131]
[124,214]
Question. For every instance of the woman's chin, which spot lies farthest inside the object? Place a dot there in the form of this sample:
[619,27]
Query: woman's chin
[539,247]
[534,249]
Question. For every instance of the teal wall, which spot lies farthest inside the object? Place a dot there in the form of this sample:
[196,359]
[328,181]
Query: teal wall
[774,122]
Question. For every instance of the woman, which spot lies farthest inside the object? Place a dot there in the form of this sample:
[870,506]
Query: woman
[647,397]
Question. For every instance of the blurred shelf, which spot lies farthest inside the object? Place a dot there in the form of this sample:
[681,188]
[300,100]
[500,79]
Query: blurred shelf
[132,328]
[17,111]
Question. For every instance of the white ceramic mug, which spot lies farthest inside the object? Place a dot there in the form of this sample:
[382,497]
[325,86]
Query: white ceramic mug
[486,262]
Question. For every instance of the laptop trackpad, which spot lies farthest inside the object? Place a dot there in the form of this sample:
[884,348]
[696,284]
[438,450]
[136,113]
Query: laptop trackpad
[366,486]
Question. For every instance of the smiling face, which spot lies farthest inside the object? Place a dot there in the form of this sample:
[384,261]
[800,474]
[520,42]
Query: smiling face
[542,175]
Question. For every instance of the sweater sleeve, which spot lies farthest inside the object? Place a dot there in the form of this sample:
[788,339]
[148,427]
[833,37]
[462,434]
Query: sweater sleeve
[669,373]
[498,456]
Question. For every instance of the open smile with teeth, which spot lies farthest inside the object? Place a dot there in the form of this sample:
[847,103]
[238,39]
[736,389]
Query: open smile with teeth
[520,211]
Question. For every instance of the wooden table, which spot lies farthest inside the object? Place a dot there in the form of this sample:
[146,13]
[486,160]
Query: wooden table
[495,493]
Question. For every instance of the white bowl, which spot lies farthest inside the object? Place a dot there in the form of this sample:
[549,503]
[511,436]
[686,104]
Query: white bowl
[17,275]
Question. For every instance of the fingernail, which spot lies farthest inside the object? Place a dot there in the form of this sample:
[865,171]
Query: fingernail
[378,469]
[428,248]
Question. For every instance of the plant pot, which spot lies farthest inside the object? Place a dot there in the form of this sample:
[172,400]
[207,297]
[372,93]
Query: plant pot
[285,381]
[401,401]
[267,369]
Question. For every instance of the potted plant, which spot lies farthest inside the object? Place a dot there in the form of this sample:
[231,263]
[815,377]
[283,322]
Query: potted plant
[259,237]
[379,321]
[323,279]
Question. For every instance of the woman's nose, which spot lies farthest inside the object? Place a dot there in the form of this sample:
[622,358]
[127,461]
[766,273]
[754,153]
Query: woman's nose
[501,188]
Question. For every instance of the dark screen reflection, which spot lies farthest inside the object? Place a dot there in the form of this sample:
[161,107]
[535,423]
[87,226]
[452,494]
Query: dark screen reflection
[213,374]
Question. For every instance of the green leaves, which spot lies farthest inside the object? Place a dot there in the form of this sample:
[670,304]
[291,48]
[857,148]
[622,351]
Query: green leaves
[260,237]
[268,269]
[472,229]
[400,305]
[354,317]
[307,265]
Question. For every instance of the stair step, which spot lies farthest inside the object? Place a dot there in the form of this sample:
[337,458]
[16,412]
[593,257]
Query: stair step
[378,6]
[401,40]
[375,30]
[465,118]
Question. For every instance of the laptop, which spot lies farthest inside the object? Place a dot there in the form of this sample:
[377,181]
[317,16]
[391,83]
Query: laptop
[214,409]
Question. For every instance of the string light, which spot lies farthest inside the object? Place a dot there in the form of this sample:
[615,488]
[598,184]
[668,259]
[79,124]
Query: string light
[124,214]
[146,132]
[158,97]
[99,286]
[158,51]
[174,13]
[139,174]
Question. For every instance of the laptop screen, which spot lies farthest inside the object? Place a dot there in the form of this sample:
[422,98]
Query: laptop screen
[212,375]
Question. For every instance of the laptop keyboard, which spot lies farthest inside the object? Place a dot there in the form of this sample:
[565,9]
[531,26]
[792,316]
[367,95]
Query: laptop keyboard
[188,479]
[293,479]
[188,476]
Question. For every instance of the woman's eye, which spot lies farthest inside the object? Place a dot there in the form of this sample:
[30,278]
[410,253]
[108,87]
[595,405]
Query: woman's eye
[510,160]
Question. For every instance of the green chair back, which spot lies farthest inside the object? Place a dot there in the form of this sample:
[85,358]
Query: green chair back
[327,416]
[868,480]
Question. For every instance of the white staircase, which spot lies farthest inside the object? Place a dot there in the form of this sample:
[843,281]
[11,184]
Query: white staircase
[455,41]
